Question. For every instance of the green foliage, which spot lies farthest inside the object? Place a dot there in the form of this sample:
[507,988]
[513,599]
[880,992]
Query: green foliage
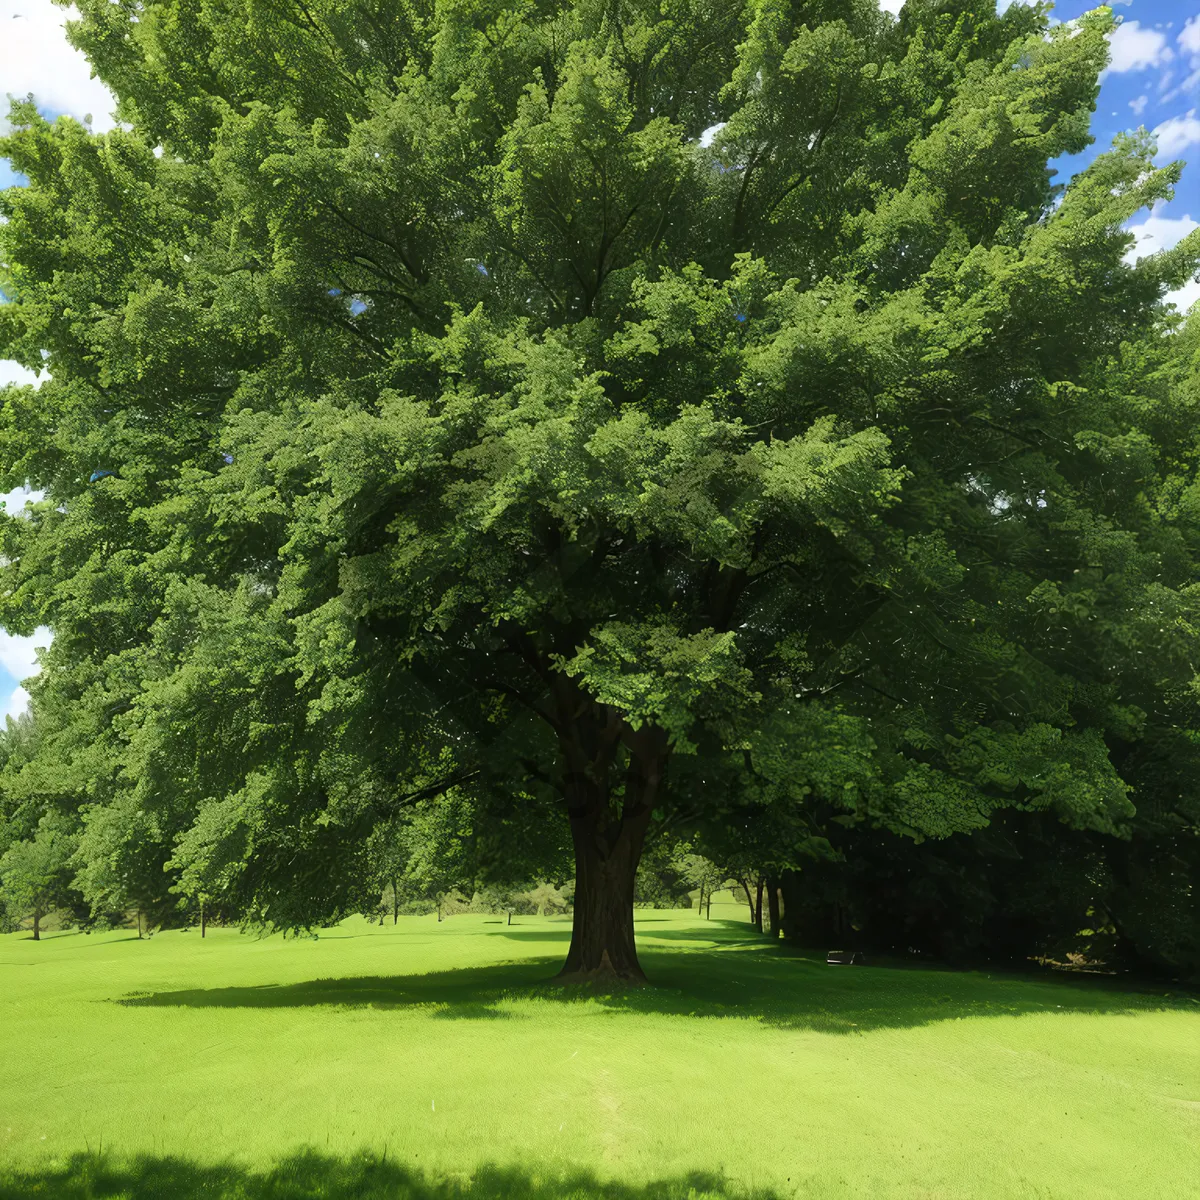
[545,899]
[837,472]
[33,873]
[660,882]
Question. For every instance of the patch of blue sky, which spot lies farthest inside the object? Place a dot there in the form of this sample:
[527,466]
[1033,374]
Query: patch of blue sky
[9,177]
[1152,82]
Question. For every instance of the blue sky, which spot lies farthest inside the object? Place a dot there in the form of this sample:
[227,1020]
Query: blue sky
[1153,81]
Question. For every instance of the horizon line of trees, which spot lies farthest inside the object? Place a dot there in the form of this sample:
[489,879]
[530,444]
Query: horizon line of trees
[1018,890]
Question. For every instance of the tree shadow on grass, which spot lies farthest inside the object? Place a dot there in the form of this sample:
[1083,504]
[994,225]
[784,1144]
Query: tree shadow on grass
[311,1176]
[736,977]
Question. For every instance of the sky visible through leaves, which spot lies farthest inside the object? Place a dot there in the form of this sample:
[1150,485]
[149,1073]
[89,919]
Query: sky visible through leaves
[1153,81]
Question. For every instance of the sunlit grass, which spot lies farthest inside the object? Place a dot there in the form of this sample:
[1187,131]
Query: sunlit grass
[433,1060]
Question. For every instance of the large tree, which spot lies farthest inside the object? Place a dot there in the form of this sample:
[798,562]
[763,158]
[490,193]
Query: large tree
[438,409]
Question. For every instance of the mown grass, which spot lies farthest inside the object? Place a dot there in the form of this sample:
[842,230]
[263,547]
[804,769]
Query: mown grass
[436,1062]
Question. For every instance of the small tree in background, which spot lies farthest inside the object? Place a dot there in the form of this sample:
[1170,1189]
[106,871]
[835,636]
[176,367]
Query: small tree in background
[547,899]
[35,873]
[701,873]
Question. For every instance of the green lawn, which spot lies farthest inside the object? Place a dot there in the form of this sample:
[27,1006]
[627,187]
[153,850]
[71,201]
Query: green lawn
[430,1061]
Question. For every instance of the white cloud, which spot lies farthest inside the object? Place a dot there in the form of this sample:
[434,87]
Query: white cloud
[1189,44]
[1189,35]
[1158,233]
[892,6]
[1134,48]
[1138,105]
[706,138]
[14,501]
[1184,297]
[1177,133]
[18,703]
[36,57]
[13,372]
[18,654]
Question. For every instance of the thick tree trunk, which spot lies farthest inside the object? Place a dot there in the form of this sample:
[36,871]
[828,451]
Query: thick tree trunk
[609,835]
[773,905]
[758,907]
[37,924]
[602,938]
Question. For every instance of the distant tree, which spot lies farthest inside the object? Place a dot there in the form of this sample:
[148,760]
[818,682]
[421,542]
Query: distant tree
[441,415]
[659,882]
[35,875]
[547,898]
[700,873]
[426,855]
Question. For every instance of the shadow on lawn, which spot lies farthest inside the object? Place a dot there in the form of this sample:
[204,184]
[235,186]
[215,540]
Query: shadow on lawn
[316,1177]
[725,975]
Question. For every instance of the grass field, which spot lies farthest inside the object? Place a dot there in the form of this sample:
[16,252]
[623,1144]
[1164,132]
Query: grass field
[431,1061]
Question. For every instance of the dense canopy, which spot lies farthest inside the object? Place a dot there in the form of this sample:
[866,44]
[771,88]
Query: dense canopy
[703,415]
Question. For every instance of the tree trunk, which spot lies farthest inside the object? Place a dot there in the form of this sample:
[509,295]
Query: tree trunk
[708,910]
[758,907]
[773,905]
[37,924]
[139,919]
[749,897]
[602,938]
[395,903]
[608,847]
[203,920]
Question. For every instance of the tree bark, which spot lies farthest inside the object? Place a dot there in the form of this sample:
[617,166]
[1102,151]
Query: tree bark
[203,920]
[37,924]
[758,907]
[602,937]
[395,903]
[609,837]
[773,905]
